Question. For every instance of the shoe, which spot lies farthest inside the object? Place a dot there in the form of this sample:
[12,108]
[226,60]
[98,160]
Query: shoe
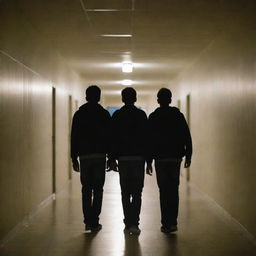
[170,229]
[134,230]
[87,228]
[96,228]
[127,229]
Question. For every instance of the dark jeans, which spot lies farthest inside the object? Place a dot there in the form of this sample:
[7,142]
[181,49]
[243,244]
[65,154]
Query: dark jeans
[168,179]
[131,174]
[92,178]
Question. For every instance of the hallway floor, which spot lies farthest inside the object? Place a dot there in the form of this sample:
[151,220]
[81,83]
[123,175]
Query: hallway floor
[57,229]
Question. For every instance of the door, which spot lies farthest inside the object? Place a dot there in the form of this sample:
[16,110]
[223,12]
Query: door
[70,115]
[53,140]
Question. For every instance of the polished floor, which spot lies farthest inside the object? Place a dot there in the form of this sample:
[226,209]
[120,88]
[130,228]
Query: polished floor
[57,229]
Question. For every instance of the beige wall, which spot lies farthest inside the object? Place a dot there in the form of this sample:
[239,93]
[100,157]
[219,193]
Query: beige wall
[29,67]
[221,83]
[222,86]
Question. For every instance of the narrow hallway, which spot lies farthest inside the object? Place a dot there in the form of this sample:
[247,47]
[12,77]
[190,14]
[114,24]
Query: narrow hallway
[57,229]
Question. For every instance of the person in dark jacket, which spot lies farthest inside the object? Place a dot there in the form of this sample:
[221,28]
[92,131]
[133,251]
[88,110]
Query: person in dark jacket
[90,143]
[128,148]
[170,142]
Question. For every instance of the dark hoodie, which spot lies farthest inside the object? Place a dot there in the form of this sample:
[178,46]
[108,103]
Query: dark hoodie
[128,132]
[169,133]
[90,130]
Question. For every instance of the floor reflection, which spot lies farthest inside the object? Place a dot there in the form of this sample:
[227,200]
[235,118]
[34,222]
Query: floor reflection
[171,245]
[132,246]
[58,230]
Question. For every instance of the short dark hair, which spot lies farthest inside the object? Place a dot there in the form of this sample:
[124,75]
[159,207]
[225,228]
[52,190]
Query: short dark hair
[129,95]
[164,96]
[92,93]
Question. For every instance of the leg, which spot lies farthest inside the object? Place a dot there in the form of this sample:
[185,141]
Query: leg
[86,181]
[124,178]
[168,182]
[137,183]
[98,184]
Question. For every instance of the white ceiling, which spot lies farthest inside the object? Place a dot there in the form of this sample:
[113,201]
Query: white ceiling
[166,35]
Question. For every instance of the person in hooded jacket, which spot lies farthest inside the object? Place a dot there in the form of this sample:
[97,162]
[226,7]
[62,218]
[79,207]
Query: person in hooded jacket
[90,143]
[128,147]
[170,142]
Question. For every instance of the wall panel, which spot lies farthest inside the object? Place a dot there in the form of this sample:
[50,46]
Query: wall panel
[222,84]
[25,178]
[29,67]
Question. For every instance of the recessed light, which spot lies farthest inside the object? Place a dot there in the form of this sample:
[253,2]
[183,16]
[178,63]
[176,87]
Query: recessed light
[127,82]
[127,67]
[102,10]
[116,35]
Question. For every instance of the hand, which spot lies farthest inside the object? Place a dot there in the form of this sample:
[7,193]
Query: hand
[76,166]
[149,169]
[187,162]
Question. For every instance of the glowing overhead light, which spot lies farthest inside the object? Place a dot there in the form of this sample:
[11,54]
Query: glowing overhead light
[127,82]
[127,67]
[116,35]
[102,10]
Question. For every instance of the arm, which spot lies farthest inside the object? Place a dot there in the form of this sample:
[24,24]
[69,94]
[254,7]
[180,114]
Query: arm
[188,143]
[74,137]
[112,156]
[149,145]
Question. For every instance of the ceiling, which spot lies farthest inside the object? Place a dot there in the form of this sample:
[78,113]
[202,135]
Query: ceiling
[165,36]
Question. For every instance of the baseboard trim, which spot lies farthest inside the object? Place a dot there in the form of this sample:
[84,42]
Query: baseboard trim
[25,222]
[224,215]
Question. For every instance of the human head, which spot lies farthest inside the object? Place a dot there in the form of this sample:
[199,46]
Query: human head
[164,97]
[92,94]
[129,95]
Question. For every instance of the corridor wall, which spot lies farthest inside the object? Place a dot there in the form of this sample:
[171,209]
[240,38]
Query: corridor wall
[222,87]
[29,68]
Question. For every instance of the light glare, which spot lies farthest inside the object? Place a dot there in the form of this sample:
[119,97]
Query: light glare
[127,67]
[116,35]
[127,82]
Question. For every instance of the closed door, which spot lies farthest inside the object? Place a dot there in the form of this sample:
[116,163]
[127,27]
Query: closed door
[53,140]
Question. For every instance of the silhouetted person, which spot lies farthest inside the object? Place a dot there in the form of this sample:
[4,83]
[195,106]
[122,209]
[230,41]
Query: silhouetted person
[128,147]
[89,142]
[170,142]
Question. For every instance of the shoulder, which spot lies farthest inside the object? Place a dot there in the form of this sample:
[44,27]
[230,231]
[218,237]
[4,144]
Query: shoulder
[105,112]
[82,109]
[77,114]
[141,112]
[102,109]
[155,113]
[176,111]
[116,113]
[151,115]
[104,115]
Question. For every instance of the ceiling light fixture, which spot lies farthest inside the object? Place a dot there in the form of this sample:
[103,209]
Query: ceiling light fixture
[116,35]
[102,10]
[127,67]
[127,82]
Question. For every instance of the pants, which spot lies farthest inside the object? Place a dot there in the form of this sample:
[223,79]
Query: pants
[92,178]
[131,174]
[168,179]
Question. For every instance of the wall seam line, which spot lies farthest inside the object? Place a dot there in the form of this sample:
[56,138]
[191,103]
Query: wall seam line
[20,63]
[25,222]
[225,216]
